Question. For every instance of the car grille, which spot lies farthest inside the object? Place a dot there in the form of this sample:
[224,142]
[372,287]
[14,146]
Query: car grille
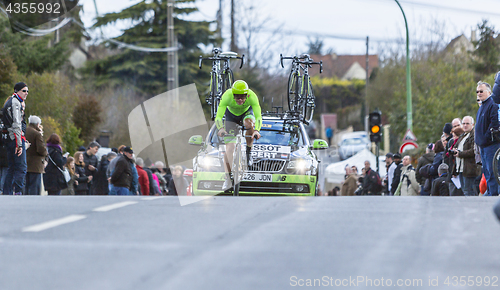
[267,165]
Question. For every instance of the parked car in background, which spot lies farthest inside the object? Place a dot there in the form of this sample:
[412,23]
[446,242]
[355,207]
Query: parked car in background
[352,143]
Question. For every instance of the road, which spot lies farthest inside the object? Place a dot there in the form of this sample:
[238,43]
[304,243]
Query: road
[245,242]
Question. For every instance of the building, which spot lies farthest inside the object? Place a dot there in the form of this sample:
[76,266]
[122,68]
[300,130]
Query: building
[345,67]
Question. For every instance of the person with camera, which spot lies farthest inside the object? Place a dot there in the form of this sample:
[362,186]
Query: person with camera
[456,133]
[488,142]
[465,165]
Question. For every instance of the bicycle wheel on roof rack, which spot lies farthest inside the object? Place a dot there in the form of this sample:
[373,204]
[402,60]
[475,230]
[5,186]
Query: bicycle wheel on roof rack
[309,102]
[293,92]
[227,80]
[213,97]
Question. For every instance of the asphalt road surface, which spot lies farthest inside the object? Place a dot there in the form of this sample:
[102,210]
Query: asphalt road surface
[131,243]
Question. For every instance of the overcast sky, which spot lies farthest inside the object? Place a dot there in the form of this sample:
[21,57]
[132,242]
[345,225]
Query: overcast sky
[334,19]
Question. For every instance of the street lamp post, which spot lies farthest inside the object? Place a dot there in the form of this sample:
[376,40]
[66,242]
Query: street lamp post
[409,116]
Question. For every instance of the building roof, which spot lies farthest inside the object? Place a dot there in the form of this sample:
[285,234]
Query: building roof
[340,65]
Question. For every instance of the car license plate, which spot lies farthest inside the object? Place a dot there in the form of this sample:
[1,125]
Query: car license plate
[257,177]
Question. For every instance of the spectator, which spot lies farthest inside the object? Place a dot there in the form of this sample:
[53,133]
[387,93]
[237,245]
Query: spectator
[91,164]
[143,176]
[349,186]
[160,166]
[409,184]
[35,156]
[391,167]
[4,166]
[101,179]
[456,133]
[465,164]
[487,119]
[53,179]
[438,159]
[70,166]
[427,158]
[13,120]
[83,181]
[121,177]
[370,181]
[397,173]
[440,186]
[178,185]
[329,135]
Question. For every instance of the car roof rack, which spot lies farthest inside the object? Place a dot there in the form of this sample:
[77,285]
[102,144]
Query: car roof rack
[288,116]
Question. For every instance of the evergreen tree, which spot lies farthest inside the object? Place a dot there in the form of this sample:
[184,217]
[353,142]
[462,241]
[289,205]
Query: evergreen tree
[485,58]
[148,71]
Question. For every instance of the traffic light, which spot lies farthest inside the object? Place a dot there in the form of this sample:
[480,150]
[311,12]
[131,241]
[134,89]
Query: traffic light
[375,119]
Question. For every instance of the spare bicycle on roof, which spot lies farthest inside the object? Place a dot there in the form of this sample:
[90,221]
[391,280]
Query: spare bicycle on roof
[221,76]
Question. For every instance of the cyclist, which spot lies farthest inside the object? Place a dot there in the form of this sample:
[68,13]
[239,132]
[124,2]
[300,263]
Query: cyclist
[241,106]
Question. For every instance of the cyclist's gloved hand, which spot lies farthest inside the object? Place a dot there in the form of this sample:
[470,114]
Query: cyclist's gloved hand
[256,135]
[222,132]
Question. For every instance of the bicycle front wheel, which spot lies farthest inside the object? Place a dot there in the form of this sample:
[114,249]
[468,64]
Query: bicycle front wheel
[213,97]
[310,103]
[496,164]
[237,169]
[227,80]
[293,92]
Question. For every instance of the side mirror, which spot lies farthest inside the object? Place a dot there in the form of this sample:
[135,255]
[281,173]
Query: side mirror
[196,140]
[319,144]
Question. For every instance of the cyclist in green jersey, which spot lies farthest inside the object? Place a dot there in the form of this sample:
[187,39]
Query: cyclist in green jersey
[241,106]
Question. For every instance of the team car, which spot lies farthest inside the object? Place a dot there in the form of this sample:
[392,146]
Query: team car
[284,161]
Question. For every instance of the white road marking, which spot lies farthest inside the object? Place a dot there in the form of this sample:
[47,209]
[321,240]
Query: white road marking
[151,198]
[53,223]
[114,206]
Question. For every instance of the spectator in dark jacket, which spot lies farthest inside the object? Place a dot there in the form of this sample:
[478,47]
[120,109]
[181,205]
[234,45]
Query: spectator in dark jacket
[370,181]
[427,158]
[121,178]
[91,163]
[4,166]
[53,178]
[178,184]
[440,186]
[397,173]
[101,179]
[438,159]
[35,156]
[81,187]
[486,120]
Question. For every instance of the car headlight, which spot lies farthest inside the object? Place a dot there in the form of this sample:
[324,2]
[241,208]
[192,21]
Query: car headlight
[299,166]
[208,162]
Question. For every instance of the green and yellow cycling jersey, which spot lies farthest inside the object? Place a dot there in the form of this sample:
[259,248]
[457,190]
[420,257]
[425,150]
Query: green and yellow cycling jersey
[227,101]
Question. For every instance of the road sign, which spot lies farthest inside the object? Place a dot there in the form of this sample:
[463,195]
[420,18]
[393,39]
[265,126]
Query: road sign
[409,145]
[409,136]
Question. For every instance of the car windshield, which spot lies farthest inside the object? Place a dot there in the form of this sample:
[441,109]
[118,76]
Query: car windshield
[353,141]
[275,137]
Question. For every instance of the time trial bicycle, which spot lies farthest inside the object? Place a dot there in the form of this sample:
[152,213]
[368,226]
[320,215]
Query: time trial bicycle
[221,76]
[300,94]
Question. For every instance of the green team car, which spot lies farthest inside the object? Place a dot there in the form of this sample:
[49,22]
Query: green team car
[284,162]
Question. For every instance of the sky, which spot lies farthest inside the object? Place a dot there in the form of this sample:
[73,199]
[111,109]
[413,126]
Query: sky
[333,20]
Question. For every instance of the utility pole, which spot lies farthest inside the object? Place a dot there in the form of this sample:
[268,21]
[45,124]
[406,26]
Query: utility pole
[409,114]
[172,72]
[234,46]
[219,21]
[366,84]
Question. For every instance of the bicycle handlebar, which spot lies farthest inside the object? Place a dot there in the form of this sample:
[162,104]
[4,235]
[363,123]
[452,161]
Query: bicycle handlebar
[308,61]
[224,58]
